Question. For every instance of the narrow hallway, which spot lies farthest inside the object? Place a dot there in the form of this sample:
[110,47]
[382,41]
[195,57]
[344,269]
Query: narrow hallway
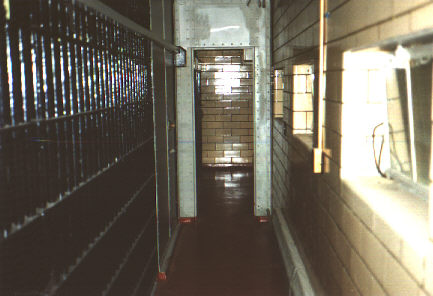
[226,251]
[216,147]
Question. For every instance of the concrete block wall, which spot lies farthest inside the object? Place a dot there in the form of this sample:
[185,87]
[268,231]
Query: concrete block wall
[347,228]
[226,107]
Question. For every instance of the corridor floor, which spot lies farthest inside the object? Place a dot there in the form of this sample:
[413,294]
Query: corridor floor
[226,251]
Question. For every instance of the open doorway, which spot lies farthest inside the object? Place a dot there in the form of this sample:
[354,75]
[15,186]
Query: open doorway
[224,104]
[224,108]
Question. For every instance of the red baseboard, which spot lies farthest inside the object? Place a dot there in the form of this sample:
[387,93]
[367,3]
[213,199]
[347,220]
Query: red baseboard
[263,219]
[162,276]
[187,220]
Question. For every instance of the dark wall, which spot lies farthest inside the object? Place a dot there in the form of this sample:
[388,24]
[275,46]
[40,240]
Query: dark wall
[136,10]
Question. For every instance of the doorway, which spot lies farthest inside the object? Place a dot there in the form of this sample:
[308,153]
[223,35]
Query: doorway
[224,92]
[224,108]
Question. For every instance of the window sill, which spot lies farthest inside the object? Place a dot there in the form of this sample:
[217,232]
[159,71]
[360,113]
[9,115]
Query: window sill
[405,213]
[306,139]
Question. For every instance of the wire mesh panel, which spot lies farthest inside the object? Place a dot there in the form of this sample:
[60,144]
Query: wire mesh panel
[76,150]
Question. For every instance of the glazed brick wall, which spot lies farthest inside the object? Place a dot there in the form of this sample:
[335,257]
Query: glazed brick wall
[226,108]
[350,248]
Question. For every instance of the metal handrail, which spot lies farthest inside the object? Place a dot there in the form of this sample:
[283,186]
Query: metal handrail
[104,9]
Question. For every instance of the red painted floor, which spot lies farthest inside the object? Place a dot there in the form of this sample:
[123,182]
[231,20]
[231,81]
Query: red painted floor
[226,251]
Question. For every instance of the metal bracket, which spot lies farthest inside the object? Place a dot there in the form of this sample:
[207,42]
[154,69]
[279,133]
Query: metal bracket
[180,57]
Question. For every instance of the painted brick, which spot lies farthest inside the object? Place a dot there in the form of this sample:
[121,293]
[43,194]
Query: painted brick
[222,160]
[232,96]
[242,160]
[208,132]
[239,146]
[352,228]
[244,111]
[231,139]
[208,118]
[414,262]
[240,118]
[348,288]
[222,117]
[396,27]
[215,154]
[340,243]
[240,132]
[232,153]
[246,139]
[232,110]
[208,147]
[223,104]
[207,103]
[373,253]
[224,146]
[421,19]
[240,104]
[396,280]
[388,236]
[404,6]
[213,125]
[245,124]
[247,153]
[215,139]
[207,160]
[360,274]
[211,96]
[429,271]
[212,111]
[223,132]
[234,124]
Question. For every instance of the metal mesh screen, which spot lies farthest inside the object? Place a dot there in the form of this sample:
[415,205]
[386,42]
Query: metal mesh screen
[76,148]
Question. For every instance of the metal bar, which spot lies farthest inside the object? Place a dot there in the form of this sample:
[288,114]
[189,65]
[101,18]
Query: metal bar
[70,22]
[60,126]
[5,118]
[411,124]
[108,87]
[14,46]
[101,235]
[67,97]
[143,273]
[17,226]
[104,9]
[83,109]
[317,166]
[50,136]
[100,97]
[54,119]
[127,256]
[42,155]
[93,97]
[29,148]
[5,111]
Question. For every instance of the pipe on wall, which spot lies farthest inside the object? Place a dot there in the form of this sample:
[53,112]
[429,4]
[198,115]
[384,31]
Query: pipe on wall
[318,151]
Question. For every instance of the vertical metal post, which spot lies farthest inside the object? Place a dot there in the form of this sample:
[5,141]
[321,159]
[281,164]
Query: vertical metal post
[318,152]
[5,119]
[411,123]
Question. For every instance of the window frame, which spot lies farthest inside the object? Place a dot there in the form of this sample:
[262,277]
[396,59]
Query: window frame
[402,58]
[276,74]
[313,111]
